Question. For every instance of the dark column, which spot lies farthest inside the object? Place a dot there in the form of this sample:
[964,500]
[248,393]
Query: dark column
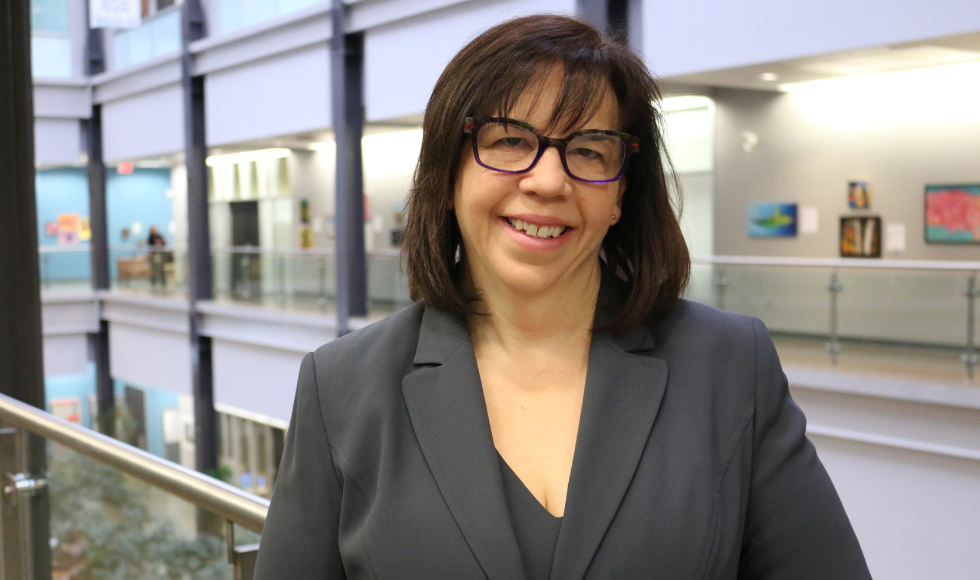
[99,247]
[199,285]
[21,363]
[347,96]
[595,12]
[609,15]
[618,15]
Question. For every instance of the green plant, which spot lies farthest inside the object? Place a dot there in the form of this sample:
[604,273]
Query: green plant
[105,530]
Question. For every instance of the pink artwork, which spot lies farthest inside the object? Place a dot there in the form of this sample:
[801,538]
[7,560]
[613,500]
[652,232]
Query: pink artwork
[953,214]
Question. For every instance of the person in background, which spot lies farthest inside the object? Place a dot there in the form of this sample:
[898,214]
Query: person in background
[155,243]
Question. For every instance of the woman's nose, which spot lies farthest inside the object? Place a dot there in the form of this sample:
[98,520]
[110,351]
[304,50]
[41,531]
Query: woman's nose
[547,177]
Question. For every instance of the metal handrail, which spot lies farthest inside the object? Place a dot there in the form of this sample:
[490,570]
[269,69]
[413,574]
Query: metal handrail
[839,262]
[231,503]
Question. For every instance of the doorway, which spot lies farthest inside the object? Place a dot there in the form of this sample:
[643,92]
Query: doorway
[246,262]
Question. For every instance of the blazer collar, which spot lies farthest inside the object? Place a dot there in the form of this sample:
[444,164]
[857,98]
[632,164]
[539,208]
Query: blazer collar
[623,390]
[449,416]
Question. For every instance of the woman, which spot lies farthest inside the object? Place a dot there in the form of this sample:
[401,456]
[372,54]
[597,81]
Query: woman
[549,408]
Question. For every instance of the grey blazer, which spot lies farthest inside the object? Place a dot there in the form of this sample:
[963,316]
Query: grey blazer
[691,462]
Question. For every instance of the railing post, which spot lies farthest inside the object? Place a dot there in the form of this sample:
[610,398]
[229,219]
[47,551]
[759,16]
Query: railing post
[282,278]
[15,561]
[242,558]
[721,283]
[970,357]
[323,282]
[833,346]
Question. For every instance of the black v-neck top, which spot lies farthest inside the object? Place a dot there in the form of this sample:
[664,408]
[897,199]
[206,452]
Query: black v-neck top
[536,529]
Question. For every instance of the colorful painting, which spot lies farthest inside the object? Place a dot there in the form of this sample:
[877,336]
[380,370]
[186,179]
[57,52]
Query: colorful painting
[69,225]
[858,195]
[953,214]
[772,220]
[860,237]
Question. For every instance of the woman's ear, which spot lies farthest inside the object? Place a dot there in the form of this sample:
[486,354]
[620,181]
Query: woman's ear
[618,213]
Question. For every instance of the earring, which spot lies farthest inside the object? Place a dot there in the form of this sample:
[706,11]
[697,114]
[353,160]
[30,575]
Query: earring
[614,216]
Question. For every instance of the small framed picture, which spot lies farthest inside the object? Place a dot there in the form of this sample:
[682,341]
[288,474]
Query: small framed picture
[858,195]
[952,214]
[860,237]
[772,220]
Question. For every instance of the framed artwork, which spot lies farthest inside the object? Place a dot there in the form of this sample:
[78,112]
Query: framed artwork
[952,214]
[772,220]
[858,195]
[860,237]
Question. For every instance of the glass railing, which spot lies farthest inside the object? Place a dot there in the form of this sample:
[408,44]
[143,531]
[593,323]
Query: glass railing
[851,305]
[151,269]
[50,43]
[237,14]
[304,278]
[156,36]
[119,512]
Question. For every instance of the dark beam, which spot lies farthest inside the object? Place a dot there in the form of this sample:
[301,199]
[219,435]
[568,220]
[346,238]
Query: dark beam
[99,246]
[200,283]
[21,347]
[595,12]
[347,99]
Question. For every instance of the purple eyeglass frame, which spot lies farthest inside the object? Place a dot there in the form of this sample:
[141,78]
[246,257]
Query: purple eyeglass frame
[472,126]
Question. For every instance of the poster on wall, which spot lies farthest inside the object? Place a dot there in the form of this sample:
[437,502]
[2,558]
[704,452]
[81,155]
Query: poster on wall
[860,237]
[772,220]
[952,214]
[69,225]
[858,195]
[84,229]
[114,13]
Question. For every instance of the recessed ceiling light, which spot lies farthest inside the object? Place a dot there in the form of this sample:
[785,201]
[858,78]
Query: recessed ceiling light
[769,77]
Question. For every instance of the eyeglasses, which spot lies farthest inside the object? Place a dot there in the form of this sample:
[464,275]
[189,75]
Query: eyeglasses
[509,146]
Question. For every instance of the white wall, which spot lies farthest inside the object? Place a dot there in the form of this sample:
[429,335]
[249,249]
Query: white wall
[403,60]
[904,456]
[900,131]
[280,95]
[143,125]
[57,141]
[691,36]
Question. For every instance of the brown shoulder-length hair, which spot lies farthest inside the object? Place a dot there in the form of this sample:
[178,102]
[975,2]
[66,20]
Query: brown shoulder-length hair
[645,247]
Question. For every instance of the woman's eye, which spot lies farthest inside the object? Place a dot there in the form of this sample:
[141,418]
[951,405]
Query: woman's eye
[589,154]
[510,142]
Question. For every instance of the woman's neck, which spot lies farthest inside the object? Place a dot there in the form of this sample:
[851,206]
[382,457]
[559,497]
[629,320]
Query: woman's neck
[563,313]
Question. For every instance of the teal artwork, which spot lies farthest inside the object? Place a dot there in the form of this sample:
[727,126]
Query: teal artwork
[953,214]
[772,220]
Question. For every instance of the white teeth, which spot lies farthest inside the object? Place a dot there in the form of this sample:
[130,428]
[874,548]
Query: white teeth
[534,230]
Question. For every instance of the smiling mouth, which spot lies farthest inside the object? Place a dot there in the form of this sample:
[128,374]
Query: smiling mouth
[536,231]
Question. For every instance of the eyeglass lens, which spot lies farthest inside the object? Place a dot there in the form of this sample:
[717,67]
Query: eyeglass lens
[592,157]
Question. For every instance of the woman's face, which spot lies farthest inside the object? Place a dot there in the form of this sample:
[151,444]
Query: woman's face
[489,204]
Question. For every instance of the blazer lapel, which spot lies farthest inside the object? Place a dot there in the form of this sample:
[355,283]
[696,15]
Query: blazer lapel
[623,392]
[449,415]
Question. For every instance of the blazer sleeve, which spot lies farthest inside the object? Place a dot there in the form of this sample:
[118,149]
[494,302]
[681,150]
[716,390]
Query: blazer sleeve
[796,527]
[300,539]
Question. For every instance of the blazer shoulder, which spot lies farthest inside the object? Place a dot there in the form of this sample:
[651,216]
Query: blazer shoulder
[367,362]
[694,320]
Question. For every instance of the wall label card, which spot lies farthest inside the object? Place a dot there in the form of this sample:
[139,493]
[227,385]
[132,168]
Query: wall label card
[809,220]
